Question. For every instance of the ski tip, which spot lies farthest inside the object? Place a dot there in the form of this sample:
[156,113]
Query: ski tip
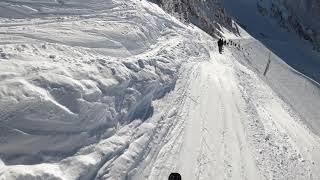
[174,176]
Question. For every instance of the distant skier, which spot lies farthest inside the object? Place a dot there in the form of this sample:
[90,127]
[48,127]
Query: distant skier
[220,45]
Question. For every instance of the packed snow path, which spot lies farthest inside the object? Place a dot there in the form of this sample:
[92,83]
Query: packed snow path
[230,125]
[139,101]
[212,142]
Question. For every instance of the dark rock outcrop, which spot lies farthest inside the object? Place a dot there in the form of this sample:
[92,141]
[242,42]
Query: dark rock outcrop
[207,15]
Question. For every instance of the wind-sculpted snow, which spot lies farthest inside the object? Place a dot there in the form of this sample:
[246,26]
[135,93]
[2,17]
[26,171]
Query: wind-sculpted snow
[121,90]
[36,8]
[68,82]
[84,82]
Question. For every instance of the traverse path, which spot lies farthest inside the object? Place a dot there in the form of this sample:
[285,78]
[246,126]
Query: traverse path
[233,126]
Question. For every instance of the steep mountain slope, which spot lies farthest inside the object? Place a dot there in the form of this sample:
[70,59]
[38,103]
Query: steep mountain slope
[288,46]
[297,84]
[207,15]
[301,16]
[91,91]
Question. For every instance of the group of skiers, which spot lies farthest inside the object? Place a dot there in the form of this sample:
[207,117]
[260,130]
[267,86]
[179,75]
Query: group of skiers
[222,42]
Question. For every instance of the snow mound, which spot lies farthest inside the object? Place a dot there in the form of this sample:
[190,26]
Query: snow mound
[66,83]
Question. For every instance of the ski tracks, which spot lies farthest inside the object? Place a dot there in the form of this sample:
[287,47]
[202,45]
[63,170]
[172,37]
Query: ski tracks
[207,140]
[225,127]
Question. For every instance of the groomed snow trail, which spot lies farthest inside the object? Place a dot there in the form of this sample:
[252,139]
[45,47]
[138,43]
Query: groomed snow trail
[215,144]
[232,126]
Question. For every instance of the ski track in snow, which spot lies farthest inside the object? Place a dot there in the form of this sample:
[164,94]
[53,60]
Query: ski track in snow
[234,130]
[212,117]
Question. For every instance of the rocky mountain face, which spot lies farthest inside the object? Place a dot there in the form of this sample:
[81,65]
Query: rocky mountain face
[300,16]
[206,14]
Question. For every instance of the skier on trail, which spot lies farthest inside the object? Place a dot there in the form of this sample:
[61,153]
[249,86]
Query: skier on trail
[220,45]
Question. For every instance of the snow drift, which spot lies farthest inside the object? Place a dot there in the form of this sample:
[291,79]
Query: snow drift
[119,89]
[68,82]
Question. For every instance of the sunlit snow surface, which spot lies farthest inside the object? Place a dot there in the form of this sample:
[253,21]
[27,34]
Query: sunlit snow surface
[119,89]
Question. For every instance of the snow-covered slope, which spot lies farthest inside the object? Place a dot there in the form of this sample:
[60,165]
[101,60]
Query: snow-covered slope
[68,82]
[98,93]
[300,16]
[292,83]
[287,45]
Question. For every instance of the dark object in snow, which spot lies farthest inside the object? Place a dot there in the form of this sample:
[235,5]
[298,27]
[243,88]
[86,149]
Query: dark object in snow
[113,71]
[52,56]
[141,64]
[220,45]
[268,65]
[174,176]
[4,56]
